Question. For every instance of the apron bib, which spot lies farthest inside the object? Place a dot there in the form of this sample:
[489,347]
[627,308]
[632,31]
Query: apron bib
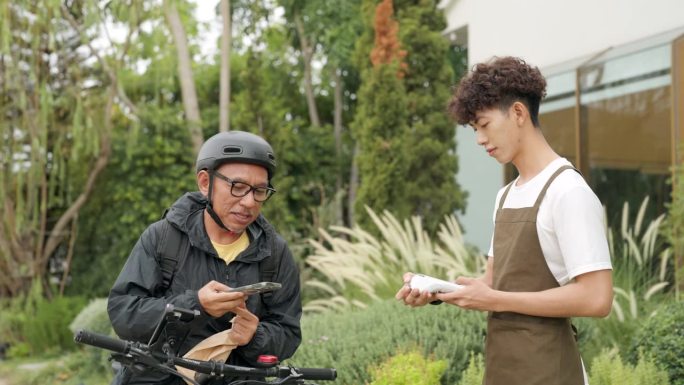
[522,349]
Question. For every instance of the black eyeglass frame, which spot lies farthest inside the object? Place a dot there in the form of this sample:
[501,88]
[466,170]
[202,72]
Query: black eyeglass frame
[253,189]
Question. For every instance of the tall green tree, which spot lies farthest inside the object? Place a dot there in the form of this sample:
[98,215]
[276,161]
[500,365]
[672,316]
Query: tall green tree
[152,162]
[56,125]
[324,34]
[185,73]
[430,144]
[140,182]
[379,126]
[263,104]
[405,115]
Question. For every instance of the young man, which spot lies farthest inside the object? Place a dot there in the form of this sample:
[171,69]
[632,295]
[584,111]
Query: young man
[228,244]
[549,257]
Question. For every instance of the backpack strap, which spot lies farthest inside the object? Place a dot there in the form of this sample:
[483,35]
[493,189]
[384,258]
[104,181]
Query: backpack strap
[269,266]
[172,246]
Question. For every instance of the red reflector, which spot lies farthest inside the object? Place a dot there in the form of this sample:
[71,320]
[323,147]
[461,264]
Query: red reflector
[267,359]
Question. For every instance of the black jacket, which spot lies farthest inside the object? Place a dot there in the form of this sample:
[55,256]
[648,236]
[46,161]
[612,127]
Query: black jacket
[137,301]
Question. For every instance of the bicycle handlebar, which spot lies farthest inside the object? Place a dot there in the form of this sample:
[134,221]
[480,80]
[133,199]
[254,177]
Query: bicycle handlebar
[209,367]
[103,342]
[323,374]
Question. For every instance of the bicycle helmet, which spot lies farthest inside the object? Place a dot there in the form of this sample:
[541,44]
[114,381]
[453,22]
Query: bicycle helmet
[233,147]
[237,147]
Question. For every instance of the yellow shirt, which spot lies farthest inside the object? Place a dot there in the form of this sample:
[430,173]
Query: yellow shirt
[230,251]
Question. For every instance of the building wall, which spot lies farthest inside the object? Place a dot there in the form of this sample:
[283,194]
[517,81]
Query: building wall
[545,33]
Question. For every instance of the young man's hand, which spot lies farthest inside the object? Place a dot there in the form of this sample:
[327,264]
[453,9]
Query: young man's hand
[474,295]
[217,301]
[413,297]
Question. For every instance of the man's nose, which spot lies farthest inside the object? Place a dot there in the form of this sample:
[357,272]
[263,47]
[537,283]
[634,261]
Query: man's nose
[248,200]
[480,137]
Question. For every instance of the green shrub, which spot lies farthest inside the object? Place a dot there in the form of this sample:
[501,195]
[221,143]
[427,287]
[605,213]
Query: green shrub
[19,350]
[31,324]
[12,317]
[474,373]
[48,329]
[357,339]
[408,369]
[93,318]
[662,338]
[16,311]
[608,369]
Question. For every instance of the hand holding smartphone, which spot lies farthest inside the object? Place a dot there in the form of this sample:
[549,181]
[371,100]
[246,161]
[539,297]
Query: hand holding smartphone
[256,288]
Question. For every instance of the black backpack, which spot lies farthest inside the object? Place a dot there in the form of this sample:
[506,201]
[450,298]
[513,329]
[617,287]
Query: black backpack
[174,245]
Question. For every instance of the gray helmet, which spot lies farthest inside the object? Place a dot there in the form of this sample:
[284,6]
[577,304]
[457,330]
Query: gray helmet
[236,147]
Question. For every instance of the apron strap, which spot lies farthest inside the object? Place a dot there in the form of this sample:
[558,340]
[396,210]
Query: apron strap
[548,183]
[503,197]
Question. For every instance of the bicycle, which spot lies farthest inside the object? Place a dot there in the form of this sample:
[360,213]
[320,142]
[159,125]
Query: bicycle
[159,354]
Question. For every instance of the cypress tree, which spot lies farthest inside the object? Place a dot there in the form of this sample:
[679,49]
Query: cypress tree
[380,122]
[430,142]
[407,161]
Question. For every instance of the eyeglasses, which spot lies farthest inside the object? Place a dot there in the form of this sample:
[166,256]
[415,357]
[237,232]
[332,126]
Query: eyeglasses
[240,189]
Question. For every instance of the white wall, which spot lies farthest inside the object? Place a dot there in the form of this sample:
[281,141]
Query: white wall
[544,33]
[481,176]
[548,32]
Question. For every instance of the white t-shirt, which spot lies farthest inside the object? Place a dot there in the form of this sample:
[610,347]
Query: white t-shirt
[570,222]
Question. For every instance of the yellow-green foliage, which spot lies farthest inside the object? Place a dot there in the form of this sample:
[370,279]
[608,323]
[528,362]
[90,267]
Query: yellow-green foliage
[474,372]
[409,368]
[608,369]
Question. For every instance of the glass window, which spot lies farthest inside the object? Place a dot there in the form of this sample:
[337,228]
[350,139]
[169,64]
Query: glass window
[557,114]
[625,110]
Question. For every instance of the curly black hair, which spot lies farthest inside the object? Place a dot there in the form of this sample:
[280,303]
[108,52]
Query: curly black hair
[498,83]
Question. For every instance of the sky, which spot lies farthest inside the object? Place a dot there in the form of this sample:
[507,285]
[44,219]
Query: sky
[210,28]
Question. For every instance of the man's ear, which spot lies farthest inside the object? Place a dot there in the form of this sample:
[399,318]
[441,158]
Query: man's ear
[520,113]
[203,182]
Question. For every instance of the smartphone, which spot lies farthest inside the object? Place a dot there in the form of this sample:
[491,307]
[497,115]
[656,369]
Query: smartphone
[255,288]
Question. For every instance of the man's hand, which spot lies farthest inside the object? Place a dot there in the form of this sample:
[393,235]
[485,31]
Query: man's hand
[413,297]
[217,301]
[244,326]
[474,295]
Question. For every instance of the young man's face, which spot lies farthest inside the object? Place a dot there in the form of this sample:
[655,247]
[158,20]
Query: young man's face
[498,132]
[237,213]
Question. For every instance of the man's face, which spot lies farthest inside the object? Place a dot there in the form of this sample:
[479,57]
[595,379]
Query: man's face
[237,212]
[498,132]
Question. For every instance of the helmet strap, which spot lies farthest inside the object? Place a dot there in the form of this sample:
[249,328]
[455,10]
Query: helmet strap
[210,209]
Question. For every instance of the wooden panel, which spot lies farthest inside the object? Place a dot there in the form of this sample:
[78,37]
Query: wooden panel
[631,132]
[678,96]
[678,140]
[559,130]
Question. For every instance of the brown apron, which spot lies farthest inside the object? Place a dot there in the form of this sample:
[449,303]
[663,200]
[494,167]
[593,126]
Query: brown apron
[523,349]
